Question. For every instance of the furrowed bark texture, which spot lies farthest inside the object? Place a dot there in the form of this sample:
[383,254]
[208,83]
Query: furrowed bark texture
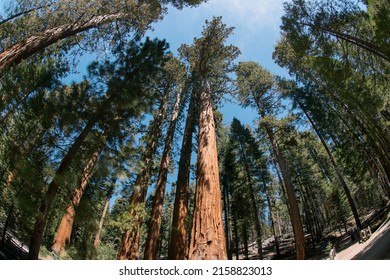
[178,248]
[207,234]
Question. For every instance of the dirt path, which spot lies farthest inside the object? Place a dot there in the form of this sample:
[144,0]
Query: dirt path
[376,248]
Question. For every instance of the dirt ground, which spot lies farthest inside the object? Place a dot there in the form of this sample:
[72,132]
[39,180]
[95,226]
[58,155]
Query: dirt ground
[375,248]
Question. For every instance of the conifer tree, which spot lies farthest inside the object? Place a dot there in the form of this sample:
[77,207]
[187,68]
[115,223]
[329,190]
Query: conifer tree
[151,248]
[49,22]
[210,61]
[256,87]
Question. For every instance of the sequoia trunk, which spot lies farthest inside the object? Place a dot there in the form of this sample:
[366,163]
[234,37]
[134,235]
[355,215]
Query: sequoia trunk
[65,229]
[130,240]
[207,234]
[151,248]
[47,201]
[178,248]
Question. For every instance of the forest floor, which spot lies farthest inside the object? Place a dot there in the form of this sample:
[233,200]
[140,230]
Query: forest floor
[377,247]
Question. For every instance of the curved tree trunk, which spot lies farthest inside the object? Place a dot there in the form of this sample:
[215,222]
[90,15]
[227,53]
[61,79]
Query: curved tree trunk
[35,43]
[335,166]
[368,46]
[152,239]
[48,199]
[296,220]
[207,234]
[178,248]
[64,231]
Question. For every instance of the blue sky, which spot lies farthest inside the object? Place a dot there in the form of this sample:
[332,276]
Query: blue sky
[256,33]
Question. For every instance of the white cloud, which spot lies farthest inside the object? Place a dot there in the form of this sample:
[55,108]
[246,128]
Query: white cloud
[256,25]
[249,14]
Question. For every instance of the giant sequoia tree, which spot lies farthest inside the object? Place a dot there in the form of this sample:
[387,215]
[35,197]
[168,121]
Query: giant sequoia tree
[149,57]
[316,159]
[152,240]
[210,61]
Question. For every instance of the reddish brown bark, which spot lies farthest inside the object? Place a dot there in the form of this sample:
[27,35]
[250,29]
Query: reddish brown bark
[178,248]
[151,248]
[296,220]
[207,234]
[47,201]
[129,249]
[64,231]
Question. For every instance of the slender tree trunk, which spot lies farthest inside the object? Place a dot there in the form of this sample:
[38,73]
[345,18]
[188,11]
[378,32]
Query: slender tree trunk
[23,13]
[64,230]
[207,233]
[96,242]
[226,212]
[254,205]
[335,166]
[368,46]
[271,215]
[245,240]
[152,239]
[178,249]
[296,221]
[292,201]
[46,204]
[129,249]
[6,225]
[35,43]
[236,239]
